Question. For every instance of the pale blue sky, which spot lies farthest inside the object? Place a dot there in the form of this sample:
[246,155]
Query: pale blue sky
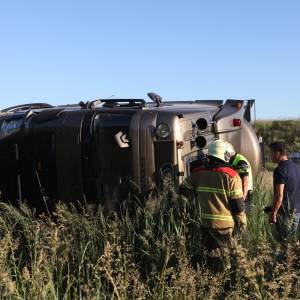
[66,51]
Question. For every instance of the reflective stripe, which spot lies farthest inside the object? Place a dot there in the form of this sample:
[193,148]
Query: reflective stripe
[238,192]
[217,217]
[235,162]
[209,190]
[188,186]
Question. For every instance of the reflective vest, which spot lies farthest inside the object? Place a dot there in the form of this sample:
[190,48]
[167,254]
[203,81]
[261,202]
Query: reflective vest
[240,169]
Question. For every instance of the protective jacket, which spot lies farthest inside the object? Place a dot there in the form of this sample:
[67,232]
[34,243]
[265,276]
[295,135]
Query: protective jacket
[243,167]
[218,188]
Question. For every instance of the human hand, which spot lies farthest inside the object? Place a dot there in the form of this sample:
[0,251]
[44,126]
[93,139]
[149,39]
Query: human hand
[272,218]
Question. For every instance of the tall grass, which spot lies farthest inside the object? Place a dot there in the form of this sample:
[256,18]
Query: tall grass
[140,253]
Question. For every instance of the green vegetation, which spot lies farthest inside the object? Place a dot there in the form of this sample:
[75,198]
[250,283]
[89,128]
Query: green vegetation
[287,131]
[140,253]
[270,166]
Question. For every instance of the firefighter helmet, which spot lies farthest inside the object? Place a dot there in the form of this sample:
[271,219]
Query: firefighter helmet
[230,149]
[219,149]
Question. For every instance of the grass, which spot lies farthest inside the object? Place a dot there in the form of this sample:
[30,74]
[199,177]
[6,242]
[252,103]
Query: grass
[140,253]
[270,166]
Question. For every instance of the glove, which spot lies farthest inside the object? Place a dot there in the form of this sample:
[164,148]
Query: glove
[242,228]
[241,220]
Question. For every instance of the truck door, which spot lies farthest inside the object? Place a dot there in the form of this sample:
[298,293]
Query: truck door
[108,175]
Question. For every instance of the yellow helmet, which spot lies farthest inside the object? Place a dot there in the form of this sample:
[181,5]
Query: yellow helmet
[220,150]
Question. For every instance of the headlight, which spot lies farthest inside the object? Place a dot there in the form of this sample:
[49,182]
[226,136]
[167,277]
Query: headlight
[163,130]
[201,123]
[10,126]
[201,141]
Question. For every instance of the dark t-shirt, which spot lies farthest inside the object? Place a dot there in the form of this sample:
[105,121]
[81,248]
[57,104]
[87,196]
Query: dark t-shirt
[288,173]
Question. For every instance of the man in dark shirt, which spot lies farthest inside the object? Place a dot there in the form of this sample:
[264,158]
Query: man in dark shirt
[285,212]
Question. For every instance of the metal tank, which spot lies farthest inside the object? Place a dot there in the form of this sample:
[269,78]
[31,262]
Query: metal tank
[98,151]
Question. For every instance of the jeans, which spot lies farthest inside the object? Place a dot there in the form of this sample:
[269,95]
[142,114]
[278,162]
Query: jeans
[287,224]
[296,220]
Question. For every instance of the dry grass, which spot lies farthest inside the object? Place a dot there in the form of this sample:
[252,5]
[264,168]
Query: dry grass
[139,254]
[266,179]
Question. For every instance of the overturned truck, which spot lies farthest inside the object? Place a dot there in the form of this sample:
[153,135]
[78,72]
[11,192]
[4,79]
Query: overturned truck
[98,150]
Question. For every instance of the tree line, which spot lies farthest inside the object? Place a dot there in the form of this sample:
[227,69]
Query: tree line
[287,131]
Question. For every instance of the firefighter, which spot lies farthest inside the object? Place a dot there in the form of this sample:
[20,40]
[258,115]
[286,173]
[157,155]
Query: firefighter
[218,188]
[243,167]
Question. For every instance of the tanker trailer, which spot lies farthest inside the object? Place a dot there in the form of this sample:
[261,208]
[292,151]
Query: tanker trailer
[98,150]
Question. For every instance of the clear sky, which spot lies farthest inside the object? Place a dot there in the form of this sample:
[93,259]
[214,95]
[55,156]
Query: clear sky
[65,51]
